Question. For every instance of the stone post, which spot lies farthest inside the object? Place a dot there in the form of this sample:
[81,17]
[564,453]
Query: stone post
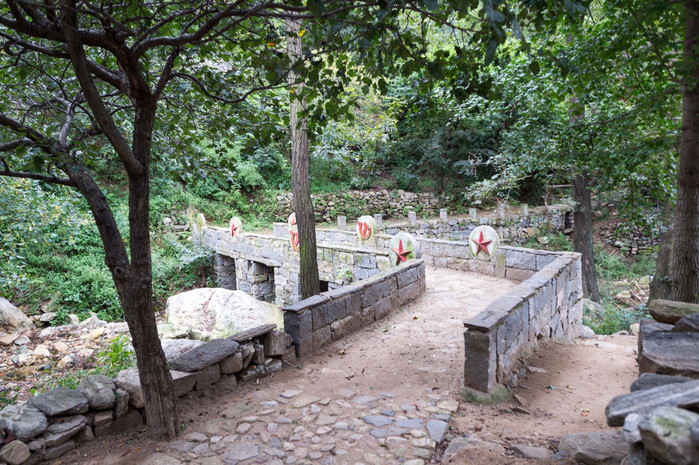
[525,210]
[473,213]
[378,218]
[342,223]
[501,211]
[412,217]
[443,215]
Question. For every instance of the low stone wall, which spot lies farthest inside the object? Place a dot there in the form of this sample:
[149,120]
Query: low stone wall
[267,268]
[53,423]
[548,304]
[390,204]
[329,316]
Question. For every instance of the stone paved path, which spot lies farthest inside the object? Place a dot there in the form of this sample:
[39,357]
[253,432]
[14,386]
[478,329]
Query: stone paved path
[383,395]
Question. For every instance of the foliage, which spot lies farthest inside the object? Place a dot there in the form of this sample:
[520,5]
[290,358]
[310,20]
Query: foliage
[116,357]
[615,319]
[7,397]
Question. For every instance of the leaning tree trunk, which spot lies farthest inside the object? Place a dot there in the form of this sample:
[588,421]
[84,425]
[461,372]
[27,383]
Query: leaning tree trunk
[685,253]
[582,237]
[300,161]
[661,286]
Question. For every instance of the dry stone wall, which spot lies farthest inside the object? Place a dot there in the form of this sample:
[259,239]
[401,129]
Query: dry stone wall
[53,423]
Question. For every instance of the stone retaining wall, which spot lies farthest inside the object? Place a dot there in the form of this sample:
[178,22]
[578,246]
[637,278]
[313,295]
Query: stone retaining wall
[547,304]
[329,316]
[53,423]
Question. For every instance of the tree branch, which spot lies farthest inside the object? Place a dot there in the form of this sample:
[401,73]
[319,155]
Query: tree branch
[245,95]
[40,177]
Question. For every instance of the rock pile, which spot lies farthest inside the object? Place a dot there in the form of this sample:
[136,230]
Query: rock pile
[51,424]
[660,416]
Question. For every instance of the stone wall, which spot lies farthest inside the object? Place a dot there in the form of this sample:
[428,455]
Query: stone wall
[329,316]
[547,304]
[390,204]
[266,267]
[53,423]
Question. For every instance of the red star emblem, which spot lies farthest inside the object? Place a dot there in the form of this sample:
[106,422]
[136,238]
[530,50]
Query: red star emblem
[234,230]
[482,244]
[402,254]
[364,229]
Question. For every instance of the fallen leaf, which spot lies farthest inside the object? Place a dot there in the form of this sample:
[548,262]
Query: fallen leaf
[341,352]
[415,318]
[551,386]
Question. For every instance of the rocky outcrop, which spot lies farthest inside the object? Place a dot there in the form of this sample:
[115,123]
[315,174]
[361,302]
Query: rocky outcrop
[12,319]
[214,313]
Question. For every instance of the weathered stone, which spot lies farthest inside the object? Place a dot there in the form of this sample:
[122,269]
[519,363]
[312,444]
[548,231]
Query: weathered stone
[207,376]
[670,353]
[63,429]
[290,355]
[481,360]
[239,452]
[259,357]
[651,380]
[205,355]
[12,319]
[37,445]
[60,401]
[345,326]
[631,433]
[535,453]
[252,333]
[694,433]
[252,373]
[437,429]
[273,365]
[378,420]
[23,421]
[99,391]
[232,364]
[129,381]
[276,343]
[219,313]
[183,382]
[173,348]
[248,352]
[122,403]
[55,452]
[15,452]
[687,324]
[642,402]
[102,418]
[128,422]
[161,459]
[598,448]
[666,311]
[666,435]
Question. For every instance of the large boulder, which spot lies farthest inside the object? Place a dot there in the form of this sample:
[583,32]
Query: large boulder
[12,319]
[666,434]
[218,313]
[670,312]
[597,448]
[23,421]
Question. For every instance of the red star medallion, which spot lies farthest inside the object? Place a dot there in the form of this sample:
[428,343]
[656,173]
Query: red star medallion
[482,244]
[401,254]
[364,230]
[234,230]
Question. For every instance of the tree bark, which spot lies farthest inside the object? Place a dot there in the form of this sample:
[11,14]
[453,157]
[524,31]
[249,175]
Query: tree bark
[300,162]
[661,286]
[582,238]
[685,253]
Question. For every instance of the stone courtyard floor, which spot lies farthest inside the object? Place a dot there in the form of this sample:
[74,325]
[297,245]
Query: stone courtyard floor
[388,394]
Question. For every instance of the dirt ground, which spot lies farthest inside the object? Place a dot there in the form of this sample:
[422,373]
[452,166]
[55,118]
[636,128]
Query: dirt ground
[415,356]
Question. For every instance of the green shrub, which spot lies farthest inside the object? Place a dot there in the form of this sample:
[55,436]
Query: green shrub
[615,319]
[116,357]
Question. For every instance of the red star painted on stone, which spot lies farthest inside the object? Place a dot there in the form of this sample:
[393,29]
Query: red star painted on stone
[234,230]
[364,229]
[402,254]
[482,245]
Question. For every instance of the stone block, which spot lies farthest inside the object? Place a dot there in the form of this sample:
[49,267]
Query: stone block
[333,310]
[486,320]
[290,355]
[321,337]
[60,401]
[368,315]
[483,267]
[258,357]
[652,380]
[512,327]
[544,260]
[232,364]
[129,381]
[382,308]
[15,452]
[205,355]
[102,418]
[252,373]
[408,293]
[207,376]
[345,326]
[407,276]
[375,291]
[182,382]
[55,452]
[669,353]
[480,367]
[521,259]
[518,275]
[122,403]
[129,422]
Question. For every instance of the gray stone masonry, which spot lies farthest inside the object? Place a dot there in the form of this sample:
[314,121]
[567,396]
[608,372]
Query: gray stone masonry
[321,319]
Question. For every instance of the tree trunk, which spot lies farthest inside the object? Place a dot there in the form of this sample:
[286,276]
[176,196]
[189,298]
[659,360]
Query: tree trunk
[582,238]
[156,381]
[685,252]
[661,286]
[300,161]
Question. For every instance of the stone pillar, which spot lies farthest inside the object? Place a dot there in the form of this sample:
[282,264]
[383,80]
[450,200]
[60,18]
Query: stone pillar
[281,230]
[501,211]
[225,272]
[443,214]
[412,217]
[525,210]
[472,213]
[342,223]
[378,219]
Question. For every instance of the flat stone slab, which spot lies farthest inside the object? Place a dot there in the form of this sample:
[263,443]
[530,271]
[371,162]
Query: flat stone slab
[378,420]
[252,333]
[601,447]
[60,401]
[670,353]
[437,429]
[666,434]
[688,324]
[23,421]
[642,402]
[239,452]
[205,355]
[670,312]
[99,391]
[61,431]
[651,380]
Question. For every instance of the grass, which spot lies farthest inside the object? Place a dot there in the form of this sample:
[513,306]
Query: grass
[498,395]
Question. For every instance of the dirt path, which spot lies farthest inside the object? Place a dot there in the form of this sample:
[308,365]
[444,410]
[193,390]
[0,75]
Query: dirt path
[378,396]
